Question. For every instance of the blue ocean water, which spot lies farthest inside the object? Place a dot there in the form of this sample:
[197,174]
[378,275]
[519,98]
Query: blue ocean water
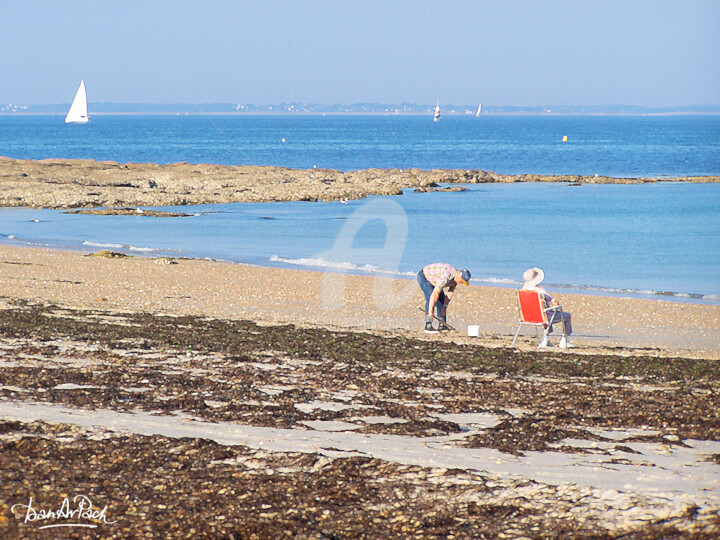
[657,240]
[612,146]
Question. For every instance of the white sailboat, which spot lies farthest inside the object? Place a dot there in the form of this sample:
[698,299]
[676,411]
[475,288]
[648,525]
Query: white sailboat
[478,111]
[78,113]
[436,118]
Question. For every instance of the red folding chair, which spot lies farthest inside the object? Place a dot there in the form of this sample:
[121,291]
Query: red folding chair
[532,311]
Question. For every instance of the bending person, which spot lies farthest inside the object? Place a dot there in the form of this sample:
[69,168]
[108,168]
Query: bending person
[433,279]
[532,278]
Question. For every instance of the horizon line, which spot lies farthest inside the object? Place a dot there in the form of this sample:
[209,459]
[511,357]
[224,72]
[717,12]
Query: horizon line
[374,104]
[358,113]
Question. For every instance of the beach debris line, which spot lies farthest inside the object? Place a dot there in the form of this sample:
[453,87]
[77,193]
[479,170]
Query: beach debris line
[249,493]
[631,433]
[108,254]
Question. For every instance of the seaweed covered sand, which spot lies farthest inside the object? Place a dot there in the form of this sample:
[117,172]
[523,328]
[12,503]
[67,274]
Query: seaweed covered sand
[206,428]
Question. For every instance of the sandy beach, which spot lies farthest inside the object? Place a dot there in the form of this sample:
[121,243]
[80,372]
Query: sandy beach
[274,295]
[212,220]
[207,399]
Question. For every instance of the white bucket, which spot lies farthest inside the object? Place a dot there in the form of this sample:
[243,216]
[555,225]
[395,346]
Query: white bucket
[473,330]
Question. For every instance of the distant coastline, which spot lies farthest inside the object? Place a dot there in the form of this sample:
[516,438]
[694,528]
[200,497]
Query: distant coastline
[296,114]
[375,109]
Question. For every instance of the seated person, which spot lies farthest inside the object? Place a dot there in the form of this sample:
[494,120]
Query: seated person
[532,278]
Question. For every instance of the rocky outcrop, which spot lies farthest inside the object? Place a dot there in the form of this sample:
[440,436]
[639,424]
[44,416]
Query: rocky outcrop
[72,183]
[127,212]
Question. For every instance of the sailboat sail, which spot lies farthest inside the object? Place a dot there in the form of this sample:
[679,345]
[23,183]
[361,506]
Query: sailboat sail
[78,113]
[479,109]
[437,112]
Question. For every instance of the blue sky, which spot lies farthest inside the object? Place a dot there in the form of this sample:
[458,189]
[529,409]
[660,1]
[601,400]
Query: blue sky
[503,52]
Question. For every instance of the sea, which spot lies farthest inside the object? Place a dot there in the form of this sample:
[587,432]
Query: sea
[656,240]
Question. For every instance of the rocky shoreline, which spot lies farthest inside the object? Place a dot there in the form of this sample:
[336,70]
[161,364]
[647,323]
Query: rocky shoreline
[72,183]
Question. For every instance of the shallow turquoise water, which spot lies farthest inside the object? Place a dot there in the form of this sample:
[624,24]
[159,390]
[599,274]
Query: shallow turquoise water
[658,240]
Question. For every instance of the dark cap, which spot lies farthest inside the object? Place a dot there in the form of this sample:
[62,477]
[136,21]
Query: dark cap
[465,273]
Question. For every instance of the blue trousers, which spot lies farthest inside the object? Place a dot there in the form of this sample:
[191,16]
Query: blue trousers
[567,321]
[427,289]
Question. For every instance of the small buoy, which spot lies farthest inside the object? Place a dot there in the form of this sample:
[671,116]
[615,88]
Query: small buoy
[314,166]
[283,139]
[564,138]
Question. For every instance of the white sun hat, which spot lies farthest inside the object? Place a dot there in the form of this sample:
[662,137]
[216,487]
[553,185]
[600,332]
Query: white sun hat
[533,277]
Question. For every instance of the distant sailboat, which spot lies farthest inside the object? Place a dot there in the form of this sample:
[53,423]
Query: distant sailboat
[436,118]
[78,113]
[478,111]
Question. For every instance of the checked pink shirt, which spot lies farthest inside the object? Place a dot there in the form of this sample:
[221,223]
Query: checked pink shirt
[439,274]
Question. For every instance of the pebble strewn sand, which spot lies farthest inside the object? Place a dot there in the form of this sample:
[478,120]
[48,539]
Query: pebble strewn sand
[268,431]
[235,291]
